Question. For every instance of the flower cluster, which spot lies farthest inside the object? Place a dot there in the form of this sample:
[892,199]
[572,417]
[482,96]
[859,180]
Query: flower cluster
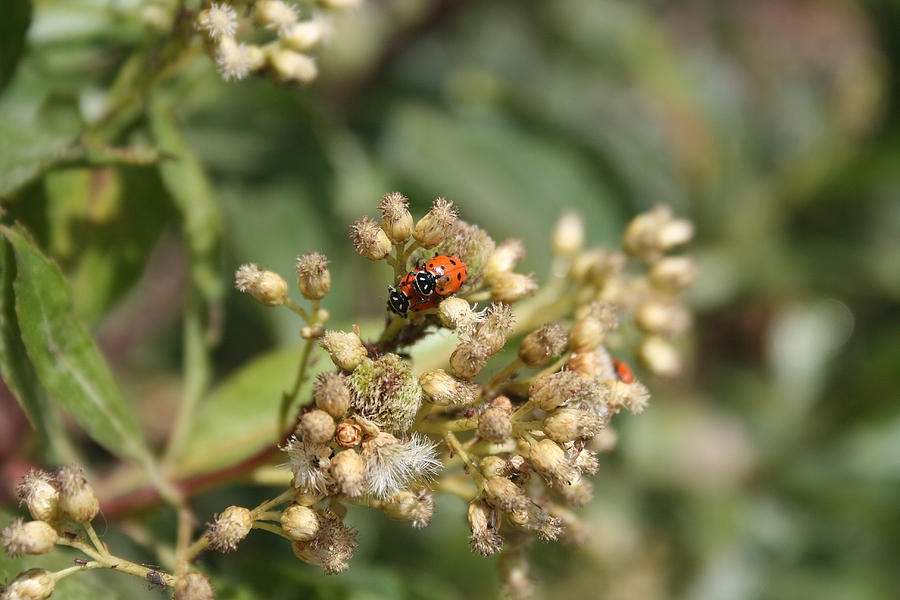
[286,58]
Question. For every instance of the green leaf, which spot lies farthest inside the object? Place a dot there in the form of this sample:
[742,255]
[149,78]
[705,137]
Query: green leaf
[13,28]
[67,361]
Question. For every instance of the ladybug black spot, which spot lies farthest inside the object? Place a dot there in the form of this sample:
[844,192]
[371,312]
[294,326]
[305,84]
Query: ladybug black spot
[458,277]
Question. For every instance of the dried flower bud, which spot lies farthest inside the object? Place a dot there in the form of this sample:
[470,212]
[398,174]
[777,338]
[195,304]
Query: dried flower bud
[349,473]
[578,493]
[310,465]
[503,260]
[345,348]
[514,571]
[194,586]
[266,287]
[432,229]
[33,537]
[632,396]
[348,434]
[665,318]
[587,364]
[299,523]
[386,391]
[673,273]
[540,346]
[369,239]
[277,15]
[332,547]
[492,466]
[331,394]
[306,35]
[218,21]
[502,493]
[289,66]
[313,276]
[588,332]
[569,424]
[495,326]
[316,426]
[512,287]
[550,390]
[229,528]
[393,465]
[494,425]
[235,61]
[660,356]
[485,539]
[33,584]
[443,389]
[568,236]
[406,505]
[77,501]
[457,314]
[468,359]
[651,233]
[396,221]
[550,460]
[675,233]
[37,491]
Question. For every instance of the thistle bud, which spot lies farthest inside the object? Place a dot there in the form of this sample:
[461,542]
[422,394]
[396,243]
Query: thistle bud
[349,472]
[494,425]
[406,505]
[568,236]
[37,491]
[33,584]
[485,539]
[229,528]
[550,460]
[331,394]
[432,229]
[396,221]
[33,537]
[540,346]
[299,523]
[289,66]
[665,318]
[77,501]
[276,15]
[457,314]
[306,35]
[266,287]
[441,388]
[503,260]
[569,424]
[673,273]
[369,239]
[502,493]
[316,426]
[313,276]
[194,586]
[468,359]
[512,287]
[348,434]
[660,356]
[492,466]
[345,348]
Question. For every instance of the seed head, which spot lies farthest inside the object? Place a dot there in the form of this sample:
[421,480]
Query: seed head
[310,464]
[568,236]
[634,397]
[235,61]
[443,389]
[37,491]
[386,391]
[550,460]
[229,528]
[503,260]
[369,239]
[276,15]
[569,424]
[495,326]
[33,537]
[396,221]
[332,547]
[578,493]
[432,229]
[77,501]
[194,586]
[660,356]
[348,471]
[217,22]
[589,365]
[331,394]
[494,425]
[345,348]
[468,359]
[289,66]
[483,521]
[457,314]
[588,332]
[306,35]
[551,390]
[313,277]
[393,465]
[299,523]
[316,426]
[493,466]
[266,287]
[540,346]
[673,273]
[33,584]
[348,434]
[505,495]
[407,505]
[512,287]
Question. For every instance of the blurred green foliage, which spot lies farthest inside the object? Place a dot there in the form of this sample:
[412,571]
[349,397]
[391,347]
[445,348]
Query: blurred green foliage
[770,471]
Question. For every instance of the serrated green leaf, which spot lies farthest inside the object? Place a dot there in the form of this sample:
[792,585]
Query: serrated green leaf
[13,28]
[67,361]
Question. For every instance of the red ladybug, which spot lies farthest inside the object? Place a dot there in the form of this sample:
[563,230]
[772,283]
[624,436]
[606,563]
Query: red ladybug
[405,297]
[442,275]
[623,371]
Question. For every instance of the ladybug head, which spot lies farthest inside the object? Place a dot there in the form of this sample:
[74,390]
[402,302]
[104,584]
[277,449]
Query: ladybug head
[398,302]
[425,283]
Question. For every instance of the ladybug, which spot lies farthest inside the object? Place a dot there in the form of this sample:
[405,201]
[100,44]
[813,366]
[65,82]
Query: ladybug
[405,297]
[442,275]
[623,371]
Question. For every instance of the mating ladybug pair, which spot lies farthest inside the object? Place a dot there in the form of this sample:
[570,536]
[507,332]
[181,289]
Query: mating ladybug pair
[424,287]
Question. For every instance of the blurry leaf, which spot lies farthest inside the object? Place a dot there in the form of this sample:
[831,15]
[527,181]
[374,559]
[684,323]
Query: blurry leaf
[13,28]
[243,410]
[68,363]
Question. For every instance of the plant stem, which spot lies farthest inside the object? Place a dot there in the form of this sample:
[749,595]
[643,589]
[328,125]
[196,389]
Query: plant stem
[470,466]
[95,539]
[66,572]
[463,424]
[114,562]
[501,377]
[276,529]
[282,498]
[287,398]
[298,309]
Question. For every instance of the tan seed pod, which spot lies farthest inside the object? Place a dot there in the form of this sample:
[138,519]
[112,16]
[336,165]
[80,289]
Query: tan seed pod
[316,426]
[299,523]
